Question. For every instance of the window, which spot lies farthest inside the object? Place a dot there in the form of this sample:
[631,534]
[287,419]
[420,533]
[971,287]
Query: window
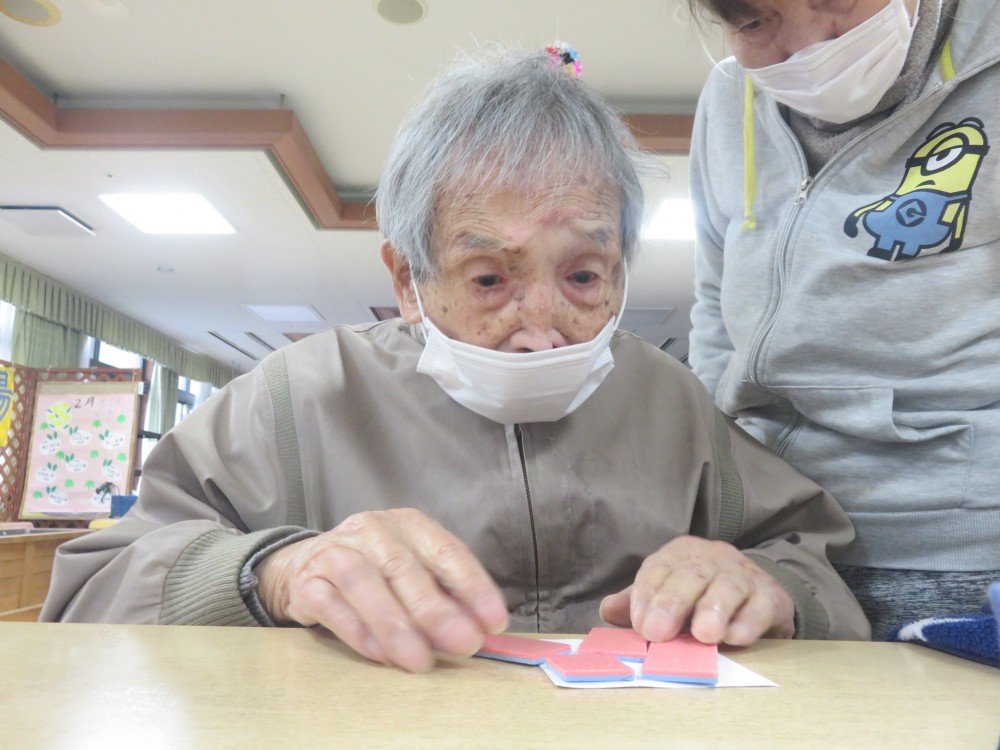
[7,312]
[186,399]
[191,393]
[105,355]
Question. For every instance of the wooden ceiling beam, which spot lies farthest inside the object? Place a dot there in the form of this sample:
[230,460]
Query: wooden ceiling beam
[276,131]
[662,134]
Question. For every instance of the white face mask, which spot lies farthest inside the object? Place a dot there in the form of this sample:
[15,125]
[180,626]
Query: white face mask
[844,78]
[511,387]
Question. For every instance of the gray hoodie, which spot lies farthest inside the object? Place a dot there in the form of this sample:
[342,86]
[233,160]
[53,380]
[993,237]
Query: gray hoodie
[851,318]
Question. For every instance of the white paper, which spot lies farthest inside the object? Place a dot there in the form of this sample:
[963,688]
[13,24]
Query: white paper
[731,674]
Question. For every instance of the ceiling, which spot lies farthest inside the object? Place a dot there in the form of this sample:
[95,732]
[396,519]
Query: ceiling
[280,114]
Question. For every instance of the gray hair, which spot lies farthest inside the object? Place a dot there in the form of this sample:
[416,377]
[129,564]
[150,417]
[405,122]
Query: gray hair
[502,120]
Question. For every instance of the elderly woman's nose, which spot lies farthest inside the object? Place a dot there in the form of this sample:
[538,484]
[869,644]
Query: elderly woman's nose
[537,320]
[538,296]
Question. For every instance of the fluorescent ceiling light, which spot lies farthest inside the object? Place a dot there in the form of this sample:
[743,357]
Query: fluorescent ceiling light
[169,213]
[673,220]
[285,313]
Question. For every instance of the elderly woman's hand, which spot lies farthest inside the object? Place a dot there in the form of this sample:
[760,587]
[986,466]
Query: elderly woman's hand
[393,585]
[721,592]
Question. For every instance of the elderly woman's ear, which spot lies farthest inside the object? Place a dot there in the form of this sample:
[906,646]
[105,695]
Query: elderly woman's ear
[399,268]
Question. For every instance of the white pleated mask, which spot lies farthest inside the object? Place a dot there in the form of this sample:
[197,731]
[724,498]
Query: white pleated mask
[517,387]
[844,78]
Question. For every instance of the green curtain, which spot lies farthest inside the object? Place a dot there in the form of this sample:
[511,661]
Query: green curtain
[42,343]
[32,292]
[161,409]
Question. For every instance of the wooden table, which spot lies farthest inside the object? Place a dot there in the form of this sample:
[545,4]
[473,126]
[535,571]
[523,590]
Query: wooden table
[126,686]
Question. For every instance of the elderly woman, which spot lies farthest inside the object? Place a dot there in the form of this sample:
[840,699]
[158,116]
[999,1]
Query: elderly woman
[500,455]
[847,308]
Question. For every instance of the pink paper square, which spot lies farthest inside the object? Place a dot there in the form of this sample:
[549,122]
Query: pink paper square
[683,659]
[520,650]
[621,642]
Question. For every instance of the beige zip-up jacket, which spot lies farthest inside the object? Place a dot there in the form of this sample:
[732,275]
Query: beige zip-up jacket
[560,514]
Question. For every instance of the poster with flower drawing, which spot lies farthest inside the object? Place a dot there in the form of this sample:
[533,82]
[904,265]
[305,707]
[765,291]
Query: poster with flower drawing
[81,449]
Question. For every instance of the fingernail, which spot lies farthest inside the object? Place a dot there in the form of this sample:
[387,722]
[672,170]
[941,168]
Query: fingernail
[372,650]
[457,635]
[708,627]
[494,622]
[659,625]
[411,652]
[737,635]
[637,613]
[492,613]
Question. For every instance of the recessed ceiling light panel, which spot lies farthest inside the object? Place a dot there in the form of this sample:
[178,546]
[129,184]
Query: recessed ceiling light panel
[285,313]
[168,213]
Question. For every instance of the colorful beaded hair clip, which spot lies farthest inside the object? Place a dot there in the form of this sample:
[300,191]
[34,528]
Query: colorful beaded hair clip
[565,56]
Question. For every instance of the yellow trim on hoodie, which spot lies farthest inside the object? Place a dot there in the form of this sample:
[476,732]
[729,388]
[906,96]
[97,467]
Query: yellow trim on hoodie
[947,66]
[749,167]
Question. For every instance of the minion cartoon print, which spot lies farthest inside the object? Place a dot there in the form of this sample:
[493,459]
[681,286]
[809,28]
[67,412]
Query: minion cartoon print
[930,208]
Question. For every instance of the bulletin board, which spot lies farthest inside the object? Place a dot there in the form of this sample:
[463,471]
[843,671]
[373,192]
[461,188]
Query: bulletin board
[82,437]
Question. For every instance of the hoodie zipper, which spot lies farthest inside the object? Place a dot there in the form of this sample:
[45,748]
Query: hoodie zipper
[531,519]
[780,262]
[801,196]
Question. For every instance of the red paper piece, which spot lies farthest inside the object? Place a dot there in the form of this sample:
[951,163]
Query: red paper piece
[520,650]
[590,667]
[621,642]
[683,659]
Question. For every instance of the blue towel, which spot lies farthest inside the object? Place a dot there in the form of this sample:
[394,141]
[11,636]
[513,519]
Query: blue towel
[971,636]
[995,598]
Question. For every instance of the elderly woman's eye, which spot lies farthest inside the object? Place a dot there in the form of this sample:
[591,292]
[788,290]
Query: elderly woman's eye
[583,277]
[487,280]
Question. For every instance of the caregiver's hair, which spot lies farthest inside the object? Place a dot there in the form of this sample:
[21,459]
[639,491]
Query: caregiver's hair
[503,120]
[727,11]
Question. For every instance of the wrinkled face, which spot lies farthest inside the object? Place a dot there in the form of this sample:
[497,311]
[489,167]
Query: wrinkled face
[521,273]
[777,29]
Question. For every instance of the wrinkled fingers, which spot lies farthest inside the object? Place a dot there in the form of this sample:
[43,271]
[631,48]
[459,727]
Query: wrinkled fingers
[414,585]
[347,594]
[767,612]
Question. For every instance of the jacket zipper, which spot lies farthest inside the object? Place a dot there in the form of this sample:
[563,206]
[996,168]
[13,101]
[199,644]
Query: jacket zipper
[780,266]
[801,196]
[531,520]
